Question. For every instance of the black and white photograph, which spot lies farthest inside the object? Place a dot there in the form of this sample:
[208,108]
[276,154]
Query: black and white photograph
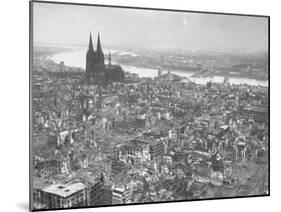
[132,105]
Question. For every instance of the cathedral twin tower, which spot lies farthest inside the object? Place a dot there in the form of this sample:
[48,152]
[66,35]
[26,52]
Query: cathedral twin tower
[95,68]
[97,73]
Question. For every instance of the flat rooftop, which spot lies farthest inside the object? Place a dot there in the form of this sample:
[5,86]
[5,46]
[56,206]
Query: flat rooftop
[64,190]
[119,189]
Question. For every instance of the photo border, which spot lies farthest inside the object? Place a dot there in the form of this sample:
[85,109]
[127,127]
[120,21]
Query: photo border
[139,8]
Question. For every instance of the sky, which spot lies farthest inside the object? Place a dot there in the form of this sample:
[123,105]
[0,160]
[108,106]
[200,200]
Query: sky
[71,25]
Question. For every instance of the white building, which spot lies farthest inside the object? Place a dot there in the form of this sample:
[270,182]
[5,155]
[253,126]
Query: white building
[120,194]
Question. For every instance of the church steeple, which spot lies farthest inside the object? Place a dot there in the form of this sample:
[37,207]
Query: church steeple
[99,50]
[90,48]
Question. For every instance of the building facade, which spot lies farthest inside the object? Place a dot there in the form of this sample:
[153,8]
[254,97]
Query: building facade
[64,195]
[120,195]
[259,114]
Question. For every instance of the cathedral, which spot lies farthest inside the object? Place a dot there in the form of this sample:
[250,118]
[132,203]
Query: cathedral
[97,72]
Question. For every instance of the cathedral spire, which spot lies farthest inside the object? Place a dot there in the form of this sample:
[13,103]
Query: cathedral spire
[99,44]
[90,49]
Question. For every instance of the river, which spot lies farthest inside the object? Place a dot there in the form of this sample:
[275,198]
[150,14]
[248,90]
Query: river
[77,58]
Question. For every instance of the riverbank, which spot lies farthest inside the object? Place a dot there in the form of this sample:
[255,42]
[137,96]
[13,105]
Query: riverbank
[77,59]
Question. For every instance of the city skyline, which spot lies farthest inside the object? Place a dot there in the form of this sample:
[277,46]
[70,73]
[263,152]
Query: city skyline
[54,24]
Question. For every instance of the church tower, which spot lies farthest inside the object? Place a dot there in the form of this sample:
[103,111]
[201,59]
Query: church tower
[95,68]
[99,52]
[89,57]
[97,73]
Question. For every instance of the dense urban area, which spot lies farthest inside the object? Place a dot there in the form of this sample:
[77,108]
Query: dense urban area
[139,140]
